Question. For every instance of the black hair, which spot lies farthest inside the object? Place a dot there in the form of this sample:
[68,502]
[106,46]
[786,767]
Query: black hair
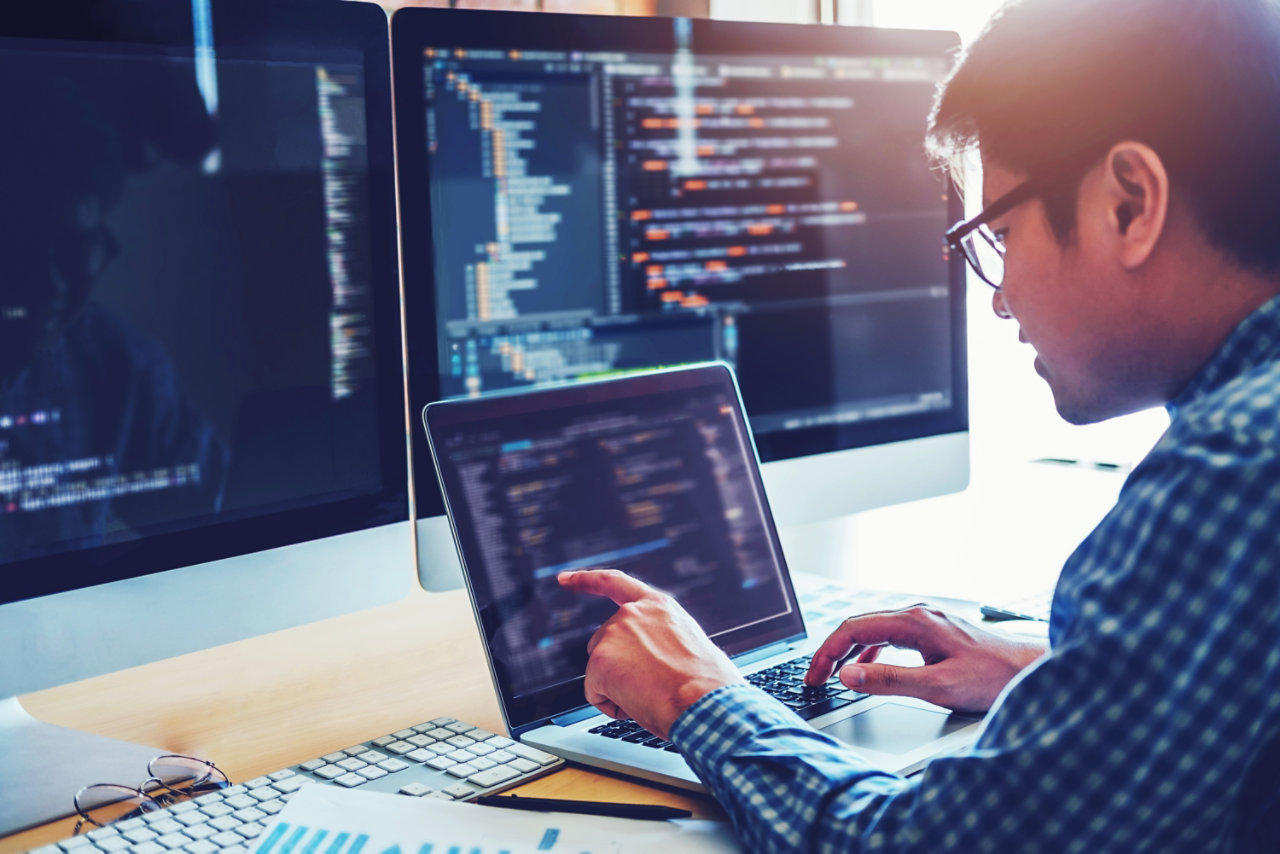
[1050,85]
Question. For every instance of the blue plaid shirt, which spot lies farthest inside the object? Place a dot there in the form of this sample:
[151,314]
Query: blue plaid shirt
[1154,723]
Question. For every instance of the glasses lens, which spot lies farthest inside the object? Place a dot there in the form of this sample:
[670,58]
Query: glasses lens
[985,254]
[186,774]
[104,803]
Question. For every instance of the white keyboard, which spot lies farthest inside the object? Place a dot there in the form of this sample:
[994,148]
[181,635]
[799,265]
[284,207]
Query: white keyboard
[443,758]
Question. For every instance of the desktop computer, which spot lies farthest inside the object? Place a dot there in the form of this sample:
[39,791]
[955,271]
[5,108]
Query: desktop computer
[583,196]
[202,419]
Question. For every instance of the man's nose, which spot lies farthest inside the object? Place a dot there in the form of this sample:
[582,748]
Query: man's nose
[999,306]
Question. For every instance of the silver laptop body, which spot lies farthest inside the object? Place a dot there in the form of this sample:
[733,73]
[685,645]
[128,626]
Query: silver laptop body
[655,474]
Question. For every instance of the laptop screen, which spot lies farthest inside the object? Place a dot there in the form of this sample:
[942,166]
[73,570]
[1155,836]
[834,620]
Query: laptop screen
[653,474]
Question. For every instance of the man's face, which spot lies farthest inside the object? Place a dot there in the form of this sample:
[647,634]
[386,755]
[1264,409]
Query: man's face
[1069,306]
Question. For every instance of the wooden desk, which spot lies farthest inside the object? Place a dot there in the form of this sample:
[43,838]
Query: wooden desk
[269,702]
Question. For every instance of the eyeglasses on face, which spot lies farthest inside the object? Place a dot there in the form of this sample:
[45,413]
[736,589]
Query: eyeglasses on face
[982,247]
[171,778]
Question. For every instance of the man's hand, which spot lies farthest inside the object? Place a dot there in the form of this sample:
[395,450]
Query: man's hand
[965,667]
[650,661]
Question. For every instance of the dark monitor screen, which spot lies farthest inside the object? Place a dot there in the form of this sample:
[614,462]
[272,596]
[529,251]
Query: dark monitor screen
[587,195]
[199,307]
[653,474]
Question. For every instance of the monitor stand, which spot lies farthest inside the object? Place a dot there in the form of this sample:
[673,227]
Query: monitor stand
[45,765]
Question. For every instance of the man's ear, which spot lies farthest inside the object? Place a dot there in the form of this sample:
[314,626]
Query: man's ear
[1136,188]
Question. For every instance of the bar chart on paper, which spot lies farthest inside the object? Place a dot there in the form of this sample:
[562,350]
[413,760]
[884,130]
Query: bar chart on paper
[330,820]
[286,838]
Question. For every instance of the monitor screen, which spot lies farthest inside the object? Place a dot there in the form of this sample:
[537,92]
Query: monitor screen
[199,313]
[583,196]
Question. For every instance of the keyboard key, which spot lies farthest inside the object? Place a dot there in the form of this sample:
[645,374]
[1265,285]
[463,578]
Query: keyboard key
[499,741]
[400,748]
[334,757]
[272,807]
[139,835]
[312,764]
[405,734]
[493,776]
[462,769]
[373,757]
[329,772]
[239,802]
[174,840]
[251,830]
[459,727]
[391,766]
[460,755]
[351,763]
[441,733]
[481,749]
[351,780]
[461,741]
[441,763]
[821,708]
[166,825]
[225,822]
[225,838]
[113,844]
[421,740]
[283,774]
[289,784]
[257,782]
[415,790]
[250,814]
[531,753]
[204,846]
[419,755]
[202,831]
[459,790]
[148,847]
[383,741]
[524,766]
[371,772]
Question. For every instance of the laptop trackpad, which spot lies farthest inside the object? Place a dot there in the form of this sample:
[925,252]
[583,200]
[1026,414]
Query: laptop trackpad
[893,728]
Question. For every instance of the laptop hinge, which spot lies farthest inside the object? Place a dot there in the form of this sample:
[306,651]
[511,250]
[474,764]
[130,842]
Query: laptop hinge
[762,653]
[569,718]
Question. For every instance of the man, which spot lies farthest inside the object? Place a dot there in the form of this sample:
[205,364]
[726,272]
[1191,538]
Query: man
[1131,165]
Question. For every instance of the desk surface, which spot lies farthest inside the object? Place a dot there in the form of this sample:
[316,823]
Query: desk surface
[265,703]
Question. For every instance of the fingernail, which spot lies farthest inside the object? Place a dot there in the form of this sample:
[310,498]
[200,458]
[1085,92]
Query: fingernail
[852,675]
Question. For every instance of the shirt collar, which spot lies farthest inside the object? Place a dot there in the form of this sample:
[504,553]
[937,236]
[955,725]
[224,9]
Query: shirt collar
[1254,342]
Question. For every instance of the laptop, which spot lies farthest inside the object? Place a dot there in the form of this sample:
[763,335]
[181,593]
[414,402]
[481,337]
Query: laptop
[655,474]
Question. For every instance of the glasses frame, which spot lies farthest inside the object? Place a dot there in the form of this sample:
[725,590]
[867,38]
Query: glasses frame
[154,793]
[956,236]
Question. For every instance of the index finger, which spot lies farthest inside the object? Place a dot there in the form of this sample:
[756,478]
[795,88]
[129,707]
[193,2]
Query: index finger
[898,628]
[607,583]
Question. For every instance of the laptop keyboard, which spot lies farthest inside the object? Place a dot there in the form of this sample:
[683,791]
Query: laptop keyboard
[784,682]
[443,758]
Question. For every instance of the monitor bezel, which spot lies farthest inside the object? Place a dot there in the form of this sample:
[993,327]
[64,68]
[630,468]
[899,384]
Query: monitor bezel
[279,30]
[415,29]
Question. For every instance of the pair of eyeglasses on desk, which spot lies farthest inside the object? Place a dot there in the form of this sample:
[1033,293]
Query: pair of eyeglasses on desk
[170,778]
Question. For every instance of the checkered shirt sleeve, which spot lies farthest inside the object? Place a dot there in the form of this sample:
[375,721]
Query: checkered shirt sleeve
[1136,731]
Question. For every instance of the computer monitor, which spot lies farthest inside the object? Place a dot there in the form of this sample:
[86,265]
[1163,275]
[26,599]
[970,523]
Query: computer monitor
[202,410]
[586,195]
